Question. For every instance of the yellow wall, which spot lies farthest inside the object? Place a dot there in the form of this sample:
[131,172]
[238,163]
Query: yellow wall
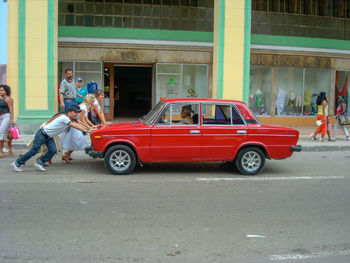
[216,48]
[36,54]
[12,52]
[233,63]
[234,50]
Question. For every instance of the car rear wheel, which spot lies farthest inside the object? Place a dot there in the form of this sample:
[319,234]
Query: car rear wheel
[120,160]
[250,161]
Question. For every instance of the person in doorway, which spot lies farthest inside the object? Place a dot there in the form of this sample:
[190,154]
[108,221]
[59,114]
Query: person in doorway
[6,119]
[116,100]
[81,91]
[97,116]
[341,109]
[68,91]
[45,136]
[322,114]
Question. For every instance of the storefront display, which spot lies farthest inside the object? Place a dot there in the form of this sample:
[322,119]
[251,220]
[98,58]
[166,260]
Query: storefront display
[342,87]
[260,90]
[181,80]
[292,93]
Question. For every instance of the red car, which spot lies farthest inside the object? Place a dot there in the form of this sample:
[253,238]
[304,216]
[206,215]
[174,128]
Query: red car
[193,130]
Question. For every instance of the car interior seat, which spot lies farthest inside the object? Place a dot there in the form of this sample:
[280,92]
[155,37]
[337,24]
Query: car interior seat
[195,118]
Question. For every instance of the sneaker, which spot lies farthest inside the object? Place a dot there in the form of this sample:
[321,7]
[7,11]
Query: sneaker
[15,167]
[39,166]
[347,138]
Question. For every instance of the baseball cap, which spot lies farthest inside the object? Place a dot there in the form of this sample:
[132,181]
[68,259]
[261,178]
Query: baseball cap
[79,79]
[75,108]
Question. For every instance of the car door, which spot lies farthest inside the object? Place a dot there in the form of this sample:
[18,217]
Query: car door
[223,130]
[173,139]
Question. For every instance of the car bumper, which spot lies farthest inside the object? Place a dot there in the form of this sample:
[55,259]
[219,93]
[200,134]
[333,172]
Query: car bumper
[92,153]
[296,148]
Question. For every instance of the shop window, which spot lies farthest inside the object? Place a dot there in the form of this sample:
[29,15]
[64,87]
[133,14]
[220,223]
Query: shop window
[260,90]
[316,80]
[342,87]
[181,80]
[289,84]
[89,72]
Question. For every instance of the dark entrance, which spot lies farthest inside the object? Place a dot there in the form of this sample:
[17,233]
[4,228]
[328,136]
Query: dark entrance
[132,91]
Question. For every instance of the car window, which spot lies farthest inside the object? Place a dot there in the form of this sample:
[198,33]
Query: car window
[216,114]
[236,118]
[152,114]
[179,114]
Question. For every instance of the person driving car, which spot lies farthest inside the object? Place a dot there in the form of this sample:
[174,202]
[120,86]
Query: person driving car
[185,115]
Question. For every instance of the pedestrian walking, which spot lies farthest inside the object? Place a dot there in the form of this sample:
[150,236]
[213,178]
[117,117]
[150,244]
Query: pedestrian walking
[68,91]
[46,134]
[322,114]
[6,119]
[341,110]
[81,91]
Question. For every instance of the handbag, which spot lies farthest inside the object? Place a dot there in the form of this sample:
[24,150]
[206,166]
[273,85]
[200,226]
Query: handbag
[344,120]
[14,132]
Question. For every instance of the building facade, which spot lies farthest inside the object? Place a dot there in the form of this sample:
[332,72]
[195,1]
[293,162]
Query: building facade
[274,55]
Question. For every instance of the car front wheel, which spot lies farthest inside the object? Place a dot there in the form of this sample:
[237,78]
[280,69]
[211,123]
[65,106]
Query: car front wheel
[250,161]
[120,160]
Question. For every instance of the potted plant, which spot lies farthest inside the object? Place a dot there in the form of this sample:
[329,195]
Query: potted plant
[191,92]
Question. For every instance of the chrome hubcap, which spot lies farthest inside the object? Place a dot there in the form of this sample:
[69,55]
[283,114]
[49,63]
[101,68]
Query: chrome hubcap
[251,161]
[120,160]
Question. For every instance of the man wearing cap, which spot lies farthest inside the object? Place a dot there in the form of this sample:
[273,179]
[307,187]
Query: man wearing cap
[68,91]
[46,134]
[81,91]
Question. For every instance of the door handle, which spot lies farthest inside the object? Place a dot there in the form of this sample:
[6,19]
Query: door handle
[241,132]
[194,131]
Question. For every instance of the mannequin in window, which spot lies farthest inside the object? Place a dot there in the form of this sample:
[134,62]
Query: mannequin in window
[307,101]
[259,105]
[291,102]
[280,100]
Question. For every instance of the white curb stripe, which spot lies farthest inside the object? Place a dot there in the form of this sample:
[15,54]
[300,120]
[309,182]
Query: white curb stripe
[344,252]
[271,178]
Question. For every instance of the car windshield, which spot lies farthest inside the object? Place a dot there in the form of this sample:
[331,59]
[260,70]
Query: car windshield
[153,113]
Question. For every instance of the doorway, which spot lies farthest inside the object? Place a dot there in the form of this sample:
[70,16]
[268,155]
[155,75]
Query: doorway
[128,90]
[132,91]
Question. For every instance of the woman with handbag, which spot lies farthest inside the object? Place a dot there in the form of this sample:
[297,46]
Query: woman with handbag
[6,118]
[322,114]
[341,110]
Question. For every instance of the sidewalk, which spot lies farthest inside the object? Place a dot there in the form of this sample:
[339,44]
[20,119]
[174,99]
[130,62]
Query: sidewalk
[304,140]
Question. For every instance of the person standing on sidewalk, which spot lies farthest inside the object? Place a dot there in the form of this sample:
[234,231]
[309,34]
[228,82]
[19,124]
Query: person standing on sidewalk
[81,91]
[46,134]
[340,111]
[68,91]
[322,114]
[6,119]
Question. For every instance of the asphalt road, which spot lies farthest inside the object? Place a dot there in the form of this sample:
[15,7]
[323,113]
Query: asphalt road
[296,210]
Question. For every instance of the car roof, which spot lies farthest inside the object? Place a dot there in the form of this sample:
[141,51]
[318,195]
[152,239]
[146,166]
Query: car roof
[199,100]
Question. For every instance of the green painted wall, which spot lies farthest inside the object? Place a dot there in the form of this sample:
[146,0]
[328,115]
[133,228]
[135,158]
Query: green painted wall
[131,33]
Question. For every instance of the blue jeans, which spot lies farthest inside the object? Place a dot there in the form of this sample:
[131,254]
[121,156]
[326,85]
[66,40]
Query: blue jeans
[68,103]
[39,140]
